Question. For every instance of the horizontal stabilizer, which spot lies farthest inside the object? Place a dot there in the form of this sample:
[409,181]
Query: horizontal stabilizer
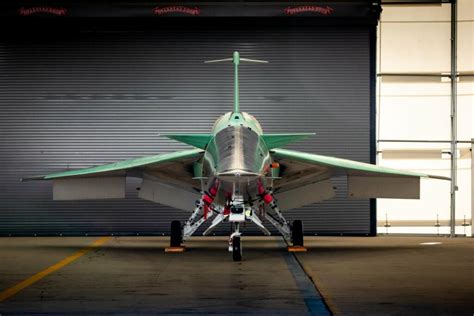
[280,140]
[196,140]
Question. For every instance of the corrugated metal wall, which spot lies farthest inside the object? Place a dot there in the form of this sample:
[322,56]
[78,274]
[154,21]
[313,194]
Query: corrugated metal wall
[99,97]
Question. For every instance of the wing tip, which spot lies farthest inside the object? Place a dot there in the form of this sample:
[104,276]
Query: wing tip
[430,176]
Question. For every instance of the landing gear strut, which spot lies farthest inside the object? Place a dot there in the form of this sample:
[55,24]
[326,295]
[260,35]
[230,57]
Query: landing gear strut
[279,221]
[235,245]
[204,207]
[293,233]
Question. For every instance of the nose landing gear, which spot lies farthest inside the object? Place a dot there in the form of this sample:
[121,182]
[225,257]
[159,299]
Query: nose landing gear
[236,248]
[238,214]
[235,245]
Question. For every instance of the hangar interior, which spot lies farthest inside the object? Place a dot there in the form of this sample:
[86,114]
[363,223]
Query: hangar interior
[107,91]
[87,83]
[79,102]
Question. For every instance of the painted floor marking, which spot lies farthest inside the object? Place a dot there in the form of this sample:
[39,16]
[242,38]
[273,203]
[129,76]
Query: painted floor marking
[38,276]
[313,300]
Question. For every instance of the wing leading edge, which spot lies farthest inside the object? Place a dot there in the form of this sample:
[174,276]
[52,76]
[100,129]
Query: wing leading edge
[345,164]
[122,165]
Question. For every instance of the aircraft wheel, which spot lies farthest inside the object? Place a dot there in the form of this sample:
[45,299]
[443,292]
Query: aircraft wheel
[236,249]
[176,236]
[297,233]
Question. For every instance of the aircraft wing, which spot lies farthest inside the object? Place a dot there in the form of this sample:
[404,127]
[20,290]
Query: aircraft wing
[167,179]
[306,178]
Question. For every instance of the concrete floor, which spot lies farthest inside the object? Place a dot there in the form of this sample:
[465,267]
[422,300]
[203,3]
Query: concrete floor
[133,275]
[393,275]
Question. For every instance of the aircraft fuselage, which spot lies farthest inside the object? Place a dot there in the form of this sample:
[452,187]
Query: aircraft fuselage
[237,158]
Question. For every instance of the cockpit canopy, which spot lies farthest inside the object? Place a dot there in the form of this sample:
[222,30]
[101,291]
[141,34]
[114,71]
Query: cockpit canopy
[242,118]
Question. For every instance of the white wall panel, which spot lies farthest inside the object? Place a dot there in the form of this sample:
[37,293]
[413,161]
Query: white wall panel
[416,13]
[417,39]
[428,118]
[465,117]
[465,46]
[415,47]
[417,87]
[465,10]
[407,117]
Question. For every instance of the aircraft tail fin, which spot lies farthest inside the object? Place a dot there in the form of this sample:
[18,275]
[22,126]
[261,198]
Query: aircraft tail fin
[196,140]
[236,60]
[280,140]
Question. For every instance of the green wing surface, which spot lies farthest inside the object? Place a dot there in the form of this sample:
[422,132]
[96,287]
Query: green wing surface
[196,140]
[280,140]
[347,165]
[166,179]
[125,165]
[305,178]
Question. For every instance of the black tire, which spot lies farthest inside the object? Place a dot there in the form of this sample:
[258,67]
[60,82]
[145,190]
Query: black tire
[236,249]
[297,233]
[176,236]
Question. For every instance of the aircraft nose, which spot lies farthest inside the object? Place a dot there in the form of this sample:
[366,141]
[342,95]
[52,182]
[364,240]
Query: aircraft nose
[236,152]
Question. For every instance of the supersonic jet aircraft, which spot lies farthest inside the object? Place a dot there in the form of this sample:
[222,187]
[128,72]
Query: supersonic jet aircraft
[235,174]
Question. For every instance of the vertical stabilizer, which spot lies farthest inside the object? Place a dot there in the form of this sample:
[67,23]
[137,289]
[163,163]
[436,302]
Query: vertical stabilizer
[236,60]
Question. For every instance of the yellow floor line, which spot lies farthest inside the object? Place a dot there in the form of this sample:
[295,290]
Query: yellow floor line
[38,276]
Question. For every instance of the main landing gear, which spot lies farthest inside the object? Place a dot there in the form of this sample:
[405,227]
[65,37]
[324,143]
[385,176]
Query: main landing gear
[236,212]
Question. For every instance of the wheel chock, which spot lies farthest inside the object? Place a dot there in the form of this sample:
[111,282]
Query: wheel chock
[297,249]
[175,249]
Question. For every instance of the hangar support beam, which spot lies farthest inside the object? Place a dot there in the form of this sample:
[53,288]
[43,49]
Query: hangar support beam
[454,120]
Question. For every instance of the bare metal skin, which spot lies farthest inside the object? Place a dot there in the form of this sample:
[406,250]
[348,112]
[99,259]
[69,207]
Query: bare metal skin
[237,157]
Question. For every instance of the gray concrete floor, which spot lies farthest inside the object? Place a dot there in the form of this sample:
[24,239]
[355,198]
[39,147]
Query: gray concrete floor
[133,275]
[393,275]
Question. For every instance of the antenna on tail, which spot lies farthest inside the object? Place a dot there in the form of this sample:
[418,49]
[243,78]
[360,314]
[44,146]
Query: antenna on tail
[236,60]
